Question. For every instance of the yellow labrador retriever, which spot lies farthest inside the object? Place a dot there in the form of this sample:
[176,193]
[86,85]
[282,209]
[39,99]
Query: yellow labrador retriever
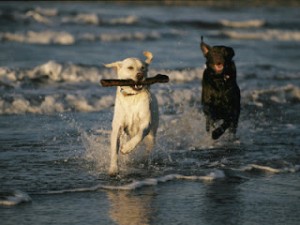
[135,112]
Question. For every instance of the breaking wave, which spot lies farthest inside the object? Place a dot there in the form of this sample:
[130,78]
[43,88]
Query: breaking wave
[270,34]
[52,16]
[65,38]
[16,197]
[276,95]
[43,37]
[70,87]
[53,71]
[243,24]
[211,176]
[13,198]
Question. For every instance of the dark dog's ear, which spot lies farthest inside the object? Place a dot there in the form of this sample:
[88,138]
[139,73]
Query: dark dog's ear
[204,47]
[229,53]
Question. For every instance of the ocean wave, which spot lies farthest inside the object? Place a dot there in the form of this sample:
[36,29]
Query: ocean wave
[217,174]
[50,37]
[84,102]
[255,23]
[43,37]
[13,198]
[271,34]
[209,177]
[93,100]
[128,20]
[39,15]
[243,24]
[56,103]
[53,71]
[269,169]
[94,19]
[46,11]
[56,89]
[82,18]
[278,95]
[48,100]
[51,16]
[48,16]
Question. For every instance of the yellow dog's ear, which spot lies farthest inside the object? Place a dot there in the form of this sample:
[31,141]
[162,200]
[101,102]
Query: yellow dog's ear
[149,57]
[117,65]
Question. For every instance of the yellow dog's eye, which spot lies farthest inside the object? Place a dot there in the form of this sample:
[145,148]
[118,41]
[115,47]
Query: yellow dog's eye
[130,67]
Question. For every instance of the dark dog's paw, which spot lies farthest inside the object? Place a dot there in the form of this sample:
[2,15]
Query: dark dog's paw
[217,133]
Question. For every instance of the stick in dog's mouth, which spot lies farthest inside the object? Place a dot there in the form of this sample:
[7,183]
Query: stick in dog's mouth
[159,78]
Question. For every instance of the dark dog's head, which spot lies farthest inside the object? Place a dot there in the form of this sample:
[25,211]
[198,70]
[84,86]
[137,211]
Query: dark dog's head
[217,56]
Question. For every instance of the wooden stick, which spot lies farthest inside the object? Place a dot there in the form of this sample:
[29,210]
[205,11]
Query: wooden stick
[159,78]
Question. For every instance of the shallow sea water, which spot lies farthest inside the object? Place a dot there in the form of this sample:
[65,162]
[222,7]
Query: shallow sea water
[55,118]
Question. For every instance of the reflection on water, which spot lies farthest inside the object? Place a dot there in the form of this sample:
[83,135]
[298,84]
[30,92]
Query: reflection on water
[222,203]
[130,207]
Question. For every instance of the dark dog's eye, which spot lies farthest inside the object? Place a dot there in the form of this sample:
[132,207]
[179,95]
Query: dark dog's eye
[130,67]
[143,68]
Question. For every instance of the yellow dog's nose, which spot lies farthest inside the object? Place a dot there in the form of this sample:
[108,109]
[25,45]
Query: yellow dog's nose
[139,76]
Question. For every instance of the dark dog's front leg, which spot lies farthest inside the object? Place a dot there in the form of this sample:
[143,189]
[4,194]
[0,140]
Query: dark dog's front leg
[220,130]
[235,120]
[208,119]
[233,127]
[208,124]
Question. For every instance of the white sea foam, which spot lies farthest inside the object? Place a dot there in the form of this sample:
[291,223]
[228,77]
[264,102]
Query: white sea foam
[82,18]
[185,75]
[243,24]
[19,197]
[288,93]
[218,174]
[54,104]
[270,34]
[94,19]
[268,169]
[90,100]
[14,198]
[41,15]
[124,20]
[51,103]
[46,11]
[54,72]
[42,37]
[58,72]
[38,17]
[48,37]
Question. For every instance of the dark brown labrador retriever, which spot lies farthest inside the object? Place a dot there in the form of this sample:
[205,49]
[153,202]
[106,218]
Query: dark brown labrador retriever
[220,92]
